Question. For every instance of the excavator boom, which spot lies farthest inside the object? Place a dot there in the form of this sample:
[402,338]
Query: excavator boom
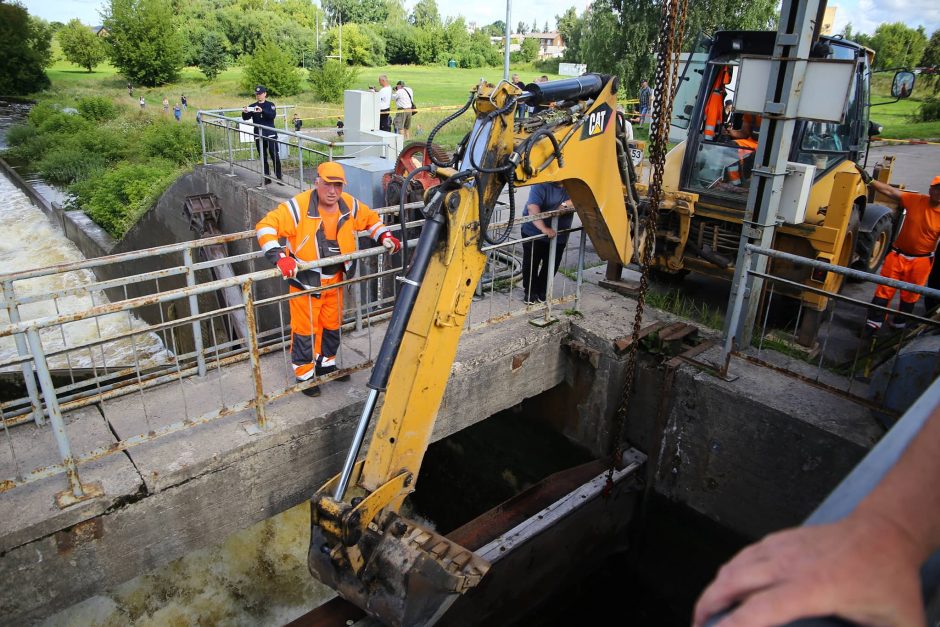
[395,569]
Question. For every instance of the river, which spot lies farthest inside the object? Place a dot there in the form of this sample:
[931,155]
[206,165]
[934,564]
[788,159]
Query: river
[257,576]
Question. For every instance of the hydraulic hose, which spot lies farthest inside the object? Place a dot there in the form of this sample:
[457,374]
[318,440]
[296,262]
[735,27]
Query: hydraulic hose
[411,284]
[401,209]
[450,118]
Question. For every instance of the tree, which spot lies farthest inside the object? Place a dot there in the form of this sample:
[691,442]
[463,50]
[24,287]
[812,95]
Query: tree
[931,59]
[362,45]
[143,41]
[569,27]
[535,26]
[212,58]
[425,14]
[25,47]
[80,46]
[496,29]
[272,67]
[330,81]
[521,28]
[358,11]
[545,28]
[897,45]
[529,50]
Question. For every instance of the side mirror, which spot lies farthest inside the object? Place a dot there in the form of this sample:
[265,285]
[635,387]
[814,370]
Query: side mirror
[874,128]
[903,84]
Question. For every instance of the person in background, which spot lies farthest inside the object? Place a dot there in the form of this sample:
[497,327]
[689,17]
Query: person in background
[385,104]
[184,102]
[130,90]
[728,115]
[863,568]
[318,223]
[646,102]
[535,271]
[297,123]
[263,112]
[404,103]
[521,109]
[166,104]
[143,103]
[177,112]
[911,257]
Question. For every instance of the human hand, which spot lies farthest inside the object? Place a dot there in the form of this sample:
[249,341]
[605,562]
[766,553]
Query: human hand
[864,568]
[392,244]
[549,232]
[288,266]
[866,177]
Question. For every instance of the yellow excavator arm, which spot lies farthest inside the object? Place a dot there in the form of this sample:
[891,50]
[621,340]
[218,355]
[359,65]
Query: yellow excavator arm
[396,569]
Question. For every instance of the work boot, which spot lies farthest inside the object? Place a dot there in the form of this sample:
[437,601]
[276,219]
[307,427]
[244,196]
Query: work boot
[325,370]
[312,391]
[868,331]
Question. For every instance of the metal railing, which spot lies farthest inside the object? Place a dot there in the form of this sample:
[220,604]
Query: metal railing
[50,348]
[844,357]
[241,144]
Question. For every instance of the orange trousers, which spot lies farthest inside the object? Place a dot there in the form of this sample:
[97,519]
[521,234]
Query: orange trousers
[909,269]
[314,326]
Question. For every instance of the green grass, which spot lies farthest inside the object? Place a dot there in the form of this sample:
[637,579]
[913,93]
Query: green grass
[675,302]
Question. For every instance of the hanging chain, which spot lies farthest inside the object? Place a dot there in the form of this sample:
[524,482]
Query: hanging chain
[671,33]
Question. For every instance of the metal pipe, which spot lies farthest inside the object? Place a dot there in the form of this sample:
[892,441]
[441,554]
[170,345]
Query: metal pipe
[580,275]
[194,311]
[55,414]
[849,272]
[550,270]
[13,311]
[738,305]
[202,134]
[353,454]
[253,353]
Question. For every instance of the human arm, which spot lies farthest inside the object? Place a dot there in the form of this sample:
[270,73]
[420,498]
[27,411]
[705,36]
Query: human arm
[276,224]
[368,220]
[883,188]
[863,568]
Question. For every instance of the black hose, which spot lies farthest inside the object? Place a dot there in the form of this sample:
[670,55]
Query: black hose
[485,220]
[529,144]
[401,209]
[450,118]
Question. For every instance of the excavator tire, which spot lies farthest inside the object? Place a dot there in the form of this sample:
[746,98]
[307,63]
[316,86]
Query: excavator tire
[874,245]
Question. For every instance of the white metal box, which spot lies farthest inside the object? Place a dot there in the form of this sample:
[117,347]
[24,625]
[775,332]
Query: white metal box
[795,193]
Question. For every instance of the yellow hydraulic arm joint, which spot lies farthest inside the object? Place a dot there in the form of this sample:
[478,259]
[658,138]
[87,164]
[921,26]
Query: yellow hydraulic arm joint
[394,568]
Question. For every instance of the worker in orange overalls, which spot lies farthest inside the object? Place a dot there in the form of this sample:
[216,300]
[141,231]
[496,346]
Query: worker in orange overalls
[318,223]
[715,105]
[912,252]
[746,137]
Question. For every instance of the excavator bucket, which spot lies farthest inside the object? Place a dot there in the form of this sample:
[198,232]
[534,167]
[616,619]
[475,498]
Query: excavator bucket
[399,571]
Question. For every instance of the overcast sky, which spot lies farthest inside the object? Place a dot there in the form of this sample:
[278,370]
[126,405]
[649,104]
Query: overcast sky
[865,15]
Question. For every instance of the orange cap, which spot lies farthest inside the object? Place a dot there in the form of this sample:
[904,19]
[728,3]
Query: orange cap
[935,181]
[331,172]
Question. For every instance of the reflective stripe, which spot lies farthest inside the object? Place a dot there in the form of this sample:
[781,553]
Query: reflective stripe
[875,324]
[294,211]
[380,232]
[305,376]
[266,230]
[328,362]
[269,245]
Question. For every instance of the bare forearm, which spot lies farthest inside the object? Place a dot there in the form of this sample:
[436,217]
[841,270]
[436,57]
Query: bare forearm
[907,495]
[887,190]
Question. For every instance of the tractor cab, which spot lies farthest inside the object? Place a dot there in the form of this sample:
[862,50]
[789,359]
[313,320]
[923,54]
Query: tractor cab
[719,155]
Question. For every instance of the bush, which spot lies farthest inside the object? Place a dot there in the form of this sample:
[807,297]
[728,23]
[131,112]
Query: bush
[29,148]
[20,134]
[547,66]
[63,124]
[330,81]
[97,108]
[65,165]
[179,143]
[42,111]
[929,110]
[115,199]
[270,66]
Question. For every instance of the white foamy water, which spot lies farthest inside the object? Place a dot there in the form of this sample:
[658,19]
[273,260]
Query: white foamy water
[29,241]
[258,576]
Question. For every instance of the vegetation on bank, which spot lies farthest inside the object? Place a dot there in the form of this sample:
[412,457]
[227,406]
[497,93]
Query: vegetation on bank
[115,161]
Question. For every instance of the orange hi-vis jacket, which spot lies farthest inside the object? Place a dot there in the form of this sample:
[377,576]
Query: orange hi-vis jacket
[715,105]
[298,220]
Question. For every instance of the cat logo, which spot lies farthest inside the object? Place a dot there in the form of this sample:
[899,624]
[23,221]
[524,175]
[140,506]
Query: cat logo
[597,122]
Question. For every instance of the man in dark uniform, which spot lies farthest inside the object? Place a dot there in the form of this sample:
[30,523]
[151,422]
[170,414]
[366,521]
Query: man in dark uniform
[262,112]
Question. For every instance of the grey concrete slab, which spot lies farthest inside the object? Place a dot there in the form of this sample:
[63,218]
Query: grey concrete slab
[30,511]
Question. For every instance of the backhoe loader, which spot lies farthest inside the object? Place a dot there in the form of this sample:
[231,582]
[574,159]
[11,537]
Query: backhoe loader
[708,174]
[396,569]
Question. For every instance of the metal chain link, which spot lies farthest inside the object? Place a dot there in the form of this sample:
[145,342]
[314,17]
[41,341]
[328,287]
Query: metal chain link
[671,34]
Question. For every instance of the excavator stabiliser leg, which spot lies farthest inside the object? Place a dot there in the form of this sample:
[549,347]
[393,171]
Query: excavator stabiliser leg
[399,572]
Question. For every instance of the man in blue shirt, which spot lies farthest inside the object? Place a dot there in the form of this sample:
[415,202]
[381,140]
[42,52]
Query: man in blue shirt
[535,273]
[263,112]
